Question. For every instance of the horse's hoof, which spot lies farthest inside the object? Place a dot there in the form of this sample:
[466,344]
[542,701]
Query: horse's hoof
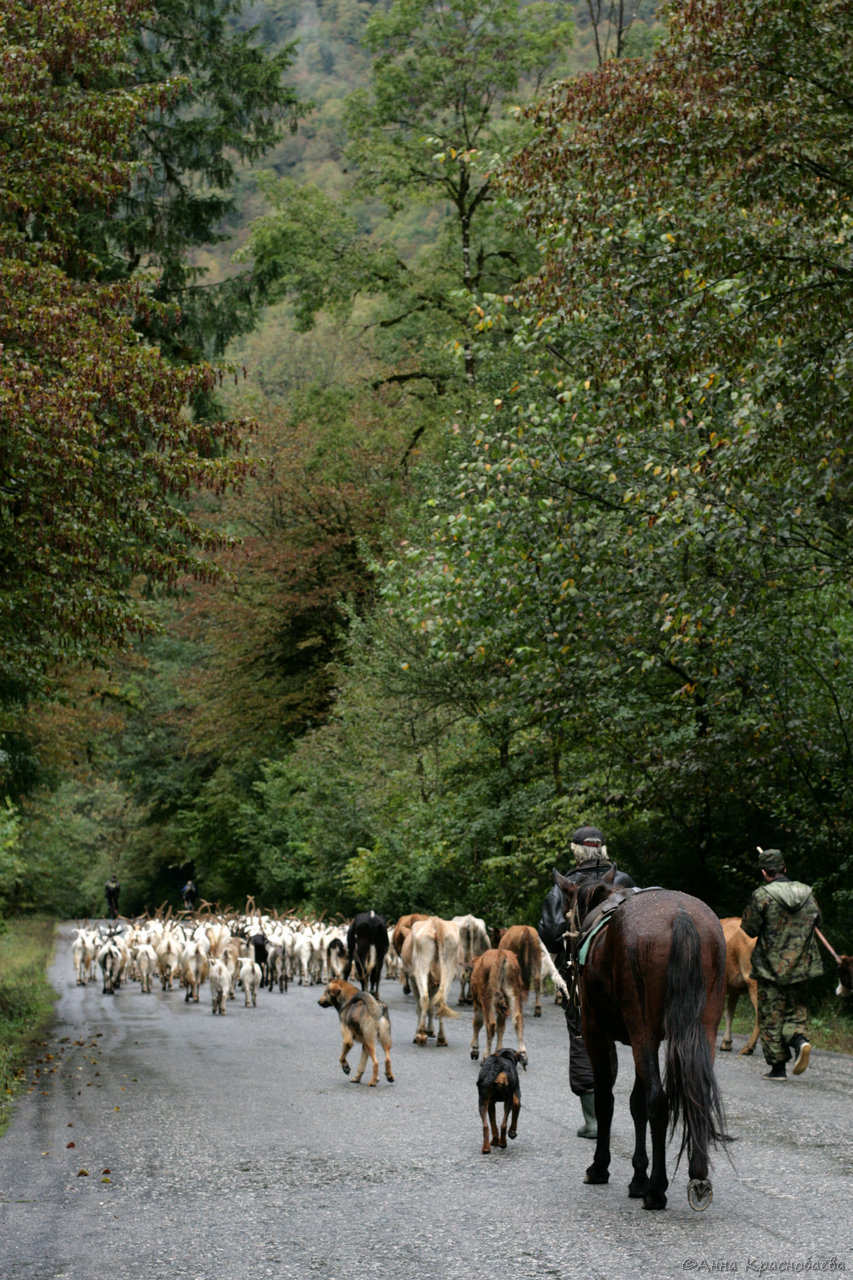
[594,1177]
[746,1052]
[726,1048]
[699,1193]
[345,1067]
[475,1053]
[513,1133]
[654,1200]
[636,1190]
[537,1013]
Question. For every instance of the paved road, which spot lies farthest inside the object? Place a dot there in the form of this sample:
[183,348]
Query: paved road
[160,1143]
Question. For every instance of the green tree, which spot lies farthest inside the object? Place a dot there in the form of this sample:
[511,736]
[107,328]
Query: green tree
[97,449]
[228,109]
[426,134]
[660,505]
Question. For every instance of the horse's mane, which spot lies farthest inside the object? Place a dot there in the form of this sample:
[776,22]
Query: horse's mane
[591,894]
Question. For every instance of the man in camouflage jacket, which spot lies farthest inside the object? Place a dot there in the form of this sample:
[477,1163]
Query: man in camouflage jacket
[781,915]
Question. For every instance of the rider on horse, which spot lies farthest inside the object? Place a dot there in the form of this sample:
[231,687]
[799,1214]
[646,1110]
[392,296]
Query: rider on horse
[590,855]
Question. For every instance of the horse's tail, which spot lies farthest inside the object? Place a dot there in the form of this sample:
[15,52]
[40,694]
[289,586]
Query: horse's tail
[690,1085]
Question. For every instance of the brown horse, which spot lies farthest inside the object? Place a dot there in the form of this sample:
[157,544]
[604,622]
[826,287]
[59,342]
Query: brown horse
[655,972]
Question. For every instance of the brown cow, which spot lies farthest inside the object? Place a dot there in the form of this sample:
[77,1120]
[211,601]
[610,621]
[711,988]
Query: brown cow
[523,941]
[535,961]
[497,993]
[739,947]
[845,976]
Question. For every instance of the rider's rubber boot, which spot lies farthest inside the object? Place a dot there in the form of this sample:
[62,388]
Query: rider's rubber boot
[589,1128]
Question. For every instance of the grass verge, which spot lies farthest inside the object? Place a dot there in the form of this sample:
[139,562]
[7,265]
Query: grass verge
[830,1022]
[26,1000]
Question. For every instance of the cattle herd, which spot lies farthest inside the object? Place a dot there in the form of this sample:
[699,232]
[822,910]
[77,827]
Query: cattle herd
[244,953]
[237,955]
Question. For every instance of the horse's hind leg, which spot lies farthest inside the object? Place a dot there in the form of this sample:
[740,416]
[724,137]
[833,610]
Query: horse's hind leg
[639,1184]
[657,1110]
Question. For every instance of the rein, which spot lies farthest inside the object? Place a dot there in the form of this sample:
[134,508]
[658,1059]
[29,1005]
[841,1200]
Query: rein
[572,934]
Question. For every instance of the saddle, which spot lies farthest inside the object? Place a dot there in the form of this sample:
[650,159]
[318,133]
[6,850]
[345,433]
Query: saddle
[598,919]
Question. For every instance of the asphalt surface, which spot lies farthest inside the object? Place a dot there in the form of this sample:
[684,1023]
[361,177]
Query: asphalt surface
[157,1142]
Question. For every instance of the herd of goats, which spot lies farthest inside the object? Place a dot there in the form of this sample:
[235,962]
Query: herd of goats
[233,952]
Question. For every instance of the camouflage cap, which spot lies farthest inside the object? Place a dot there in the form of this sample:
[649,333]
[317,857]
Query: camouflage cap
[771,860]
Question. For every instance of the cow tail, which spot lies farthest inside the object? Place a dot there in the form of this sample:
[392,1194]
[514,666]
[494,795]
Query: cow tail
[497,995]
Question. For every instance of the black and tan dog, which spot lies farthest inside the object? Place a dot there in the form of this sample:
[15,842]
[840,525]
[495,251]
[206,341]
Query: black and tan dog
[498,1082]
[364,1019]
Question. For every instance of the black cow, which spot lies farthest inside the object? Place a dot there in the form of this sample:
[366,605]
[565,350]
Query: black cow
[367,942]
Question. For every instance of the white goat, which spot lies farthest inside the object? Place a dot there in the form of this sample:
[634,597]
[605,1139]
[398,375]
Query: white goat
[250,976]
[219,979]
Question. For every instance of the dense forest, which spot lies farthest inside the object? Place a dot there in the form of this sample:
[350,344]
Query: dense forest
[426,428]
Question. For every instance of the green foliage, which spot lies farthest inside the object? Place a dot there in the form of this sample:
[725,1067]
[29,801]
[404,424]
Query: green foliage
[74,837]
[659,502]
[11,863]
[98,451]
[614,587]
[427,131]
[26,1000]
[228,109]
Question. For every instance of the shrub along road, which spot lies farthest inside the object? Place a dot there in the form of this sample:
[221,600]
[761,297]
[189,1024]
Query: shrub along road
[158,1142]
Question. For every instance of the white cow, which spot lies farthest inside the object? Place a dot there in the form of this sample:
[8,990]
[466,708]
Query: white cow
[431,955]
[473,941]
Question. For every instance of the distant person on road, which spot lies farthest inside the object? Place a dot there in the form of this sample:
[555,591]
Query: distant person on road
[112,889]
[189,893]
[782,916]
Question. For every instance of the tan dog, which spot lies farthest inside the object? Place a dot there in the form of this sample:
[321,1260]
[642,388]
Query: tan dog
[363,1019]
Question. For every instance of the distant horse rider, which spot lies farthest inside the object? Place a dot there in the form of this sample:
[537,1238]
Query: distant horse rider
[590,855]
[112,889]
